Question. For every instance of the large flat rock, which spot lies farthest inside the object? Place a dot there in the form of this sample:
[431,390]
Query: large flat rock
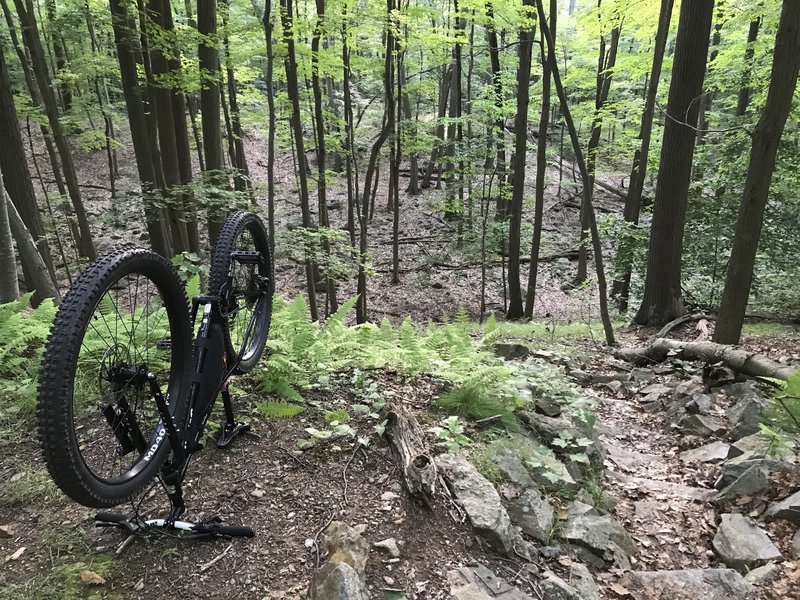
[787,509]
[479,583]
[742,544]
[688,584]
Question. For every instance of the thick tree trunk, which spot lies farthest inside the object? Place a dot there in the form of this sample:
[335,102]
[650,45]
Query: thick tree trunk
[541,163]
[124,27]
[662,300]
[14,167]
[209,107]
[597,249]
[526,34]
[763,154]
[9,284]
[290,64]
[34,46]
[633,200]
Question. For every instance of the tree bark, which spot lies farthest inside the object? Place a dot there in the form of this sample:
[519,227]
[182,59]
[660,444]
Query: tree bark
[526,34]
[9,285]
[745,91]
[633,200]
[498,130]
[541,163]
[662,300]
[763,154]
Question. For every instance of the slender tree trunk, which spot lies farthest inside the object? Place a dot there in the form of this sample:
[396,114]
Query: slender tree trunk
[763,154]
[9,284]
[349,143]
[124,27]
[290,64]
[597,249]
[707,99]
[444,93]
[209,107]
[633,200]
[33,43]
[745,91]
[663,300]
[394,173]
[498,129]
[526,35]
[541,163]
[60,55]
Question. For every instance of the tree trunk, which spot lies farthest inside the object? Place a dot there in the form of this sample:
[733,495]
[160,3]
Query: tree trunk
[351,166]
[763,154]
[541,163]
[290,64]
[14,167]
[662,300]
[444,93]
[745,91]
[633,201]
[498,130]
[209,107]
[576,147]
[9,285]
[60,55]
[124,27]
[30,34]
[268,76]
[526,34]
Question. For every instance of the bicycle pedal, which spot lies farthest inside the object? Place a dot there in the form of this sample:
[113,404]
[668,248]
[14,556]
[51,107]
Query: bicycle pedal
[228,432]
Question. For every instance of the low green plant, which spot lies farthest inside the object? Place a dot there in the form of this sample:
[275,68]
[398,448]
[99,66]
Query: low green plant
[451,434]
[478,399]
[272,409]
[782,417]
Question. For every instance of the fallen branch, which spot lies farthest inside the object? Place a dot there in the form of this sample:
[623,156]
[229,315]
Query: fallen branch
[215,560]
[419,471]
[675,323]
[747,363]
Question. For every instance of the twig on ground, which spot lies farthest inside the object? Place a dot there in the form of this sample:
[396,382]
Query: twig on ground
[216,559]
[344,471]
[316,538]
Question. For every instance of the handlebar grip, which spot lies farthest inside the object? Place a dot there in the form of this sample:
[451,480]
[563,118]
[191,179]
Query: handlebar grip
[235,531]
[106,517]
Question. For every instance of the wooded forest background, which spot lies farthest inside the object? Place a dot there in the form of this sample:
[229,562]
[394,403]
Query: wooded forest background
[684,117]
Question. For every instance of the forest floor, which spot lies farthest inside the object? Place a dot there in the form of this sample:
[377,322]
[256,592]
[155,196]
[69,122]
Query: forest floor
[289,496]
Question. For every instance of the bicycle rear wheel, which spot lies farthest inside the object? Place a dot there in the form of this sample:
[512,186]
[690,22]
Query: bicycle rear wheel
[126,318]
[249,294]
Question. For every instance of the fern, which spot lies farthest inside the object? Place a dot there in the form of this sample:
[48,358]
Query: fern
[278,410]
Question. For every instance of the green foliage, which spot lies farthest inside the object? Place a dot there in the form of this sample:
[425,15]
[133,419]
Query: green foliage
[451,434]
[782,419]
[278,410]
[479,400]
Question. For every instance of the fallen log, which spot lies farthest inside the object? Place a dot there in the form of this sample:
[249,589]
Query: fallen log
[742,361]
[675,323]
[419,471]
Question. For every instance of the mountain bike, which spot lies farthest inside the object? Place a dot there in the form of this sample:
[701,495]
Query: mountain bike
[125,394]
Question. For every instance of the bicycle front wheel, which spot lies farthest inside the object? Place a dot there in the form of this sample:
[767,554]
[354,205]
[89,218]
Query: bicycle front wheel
[123,324]
[245,289]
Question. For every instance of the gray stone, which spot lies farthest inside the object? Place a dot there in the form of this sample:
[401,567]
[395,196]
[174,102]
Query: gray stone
[548,406]
[548,429]
[555,588]
[687,389]
[550,551]
[533,513]
[641,375]
[581,579]
[689,584]
[701,425]
[734,467]
[576,508]
[479,583]
[762,447]
[512,467]
[700,404]
[658,486]
[764,574]
[741,544]
[710,453]
[511,351]
[390,545]
[753,481]
[551,474]
[581,377]
[597,533]
[337,581]
[745,415]
[656,390]
[482,505]
[345,545]
[796,543]
[787,509]
[653,407]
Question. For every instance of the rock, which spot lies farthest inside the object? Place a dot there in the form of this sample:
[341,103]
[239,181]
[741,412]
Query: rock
[687,389]
[550,551]
[511,351]
[551,474]
[576,508]
[548,406]
[580,377]
[641,375]
[656,390]
[548,429]
[533,513]
[761,447]
[763,574]
[745,415]
[390,545]
[741,544]
[689,584]
[582,580]
[796,543]
[653,407]
[751,482]
[710,453]
[5,531]
[597,533]
[555,588]
[787,509]
[337,581]
[479,583]
[345,545]
[512,467]
[482,505]
[734,467]
[701,425]
[699,404]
